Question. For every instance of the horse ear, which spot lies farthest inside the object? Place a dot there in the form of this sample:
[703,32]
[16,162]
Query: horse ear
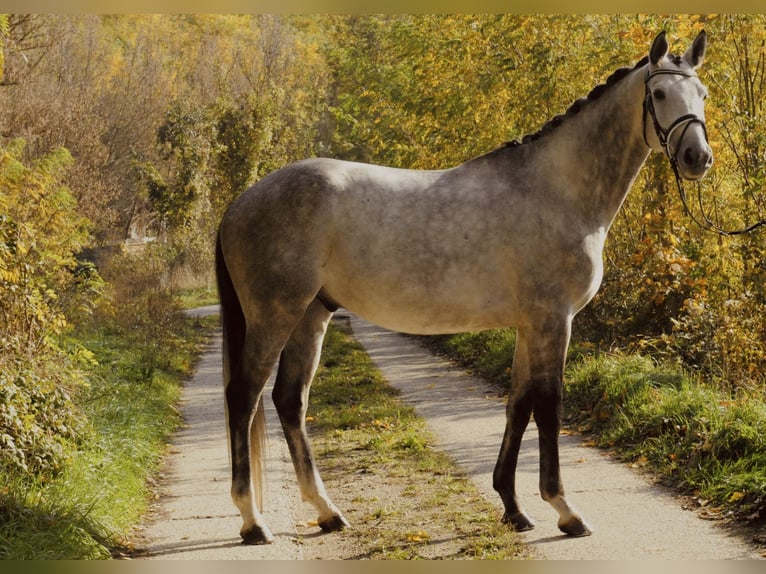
[695,54]
[659,48]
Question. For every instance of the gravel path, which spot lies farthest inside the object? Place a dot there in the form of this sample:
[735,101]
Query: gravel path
[194,517]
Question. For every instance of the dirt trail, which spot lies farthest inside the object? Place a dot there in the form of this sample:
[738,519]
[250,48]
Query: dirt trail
[195,519]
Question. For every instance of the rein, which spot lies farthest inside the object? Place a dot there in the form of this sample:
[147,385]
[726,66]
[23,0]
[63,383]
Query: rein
[664,135]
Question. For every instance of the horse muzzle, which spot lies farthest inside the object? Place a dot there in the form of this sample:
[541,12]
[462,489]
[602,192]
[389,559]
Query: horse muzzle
[692,154]
[694,160]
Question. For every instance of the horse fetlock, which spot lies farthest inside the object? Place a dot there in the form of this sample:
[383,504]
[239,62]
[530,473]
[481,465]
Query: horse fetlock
[519,520]
[257,535]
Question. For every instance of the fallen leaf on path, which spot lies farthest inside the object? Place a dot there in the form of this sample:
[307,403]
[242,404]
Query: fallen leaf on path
[419,536]
[640,461]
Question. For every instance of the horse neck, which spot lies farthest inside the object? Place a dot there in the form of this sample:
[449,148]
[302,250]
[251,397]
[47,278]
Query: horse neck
[602,150]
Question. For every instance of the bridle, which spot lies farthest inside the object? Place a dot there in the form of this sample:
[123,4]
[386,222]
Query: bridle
[664,136]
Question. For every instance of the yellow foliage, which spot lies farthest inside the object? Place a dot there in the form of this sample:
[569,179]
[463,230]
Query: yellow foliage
[40,233]
[736,496]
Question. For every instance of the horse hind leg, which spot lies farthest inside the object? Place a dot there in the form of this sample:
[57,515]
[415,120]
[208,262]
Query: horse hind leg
[245,381]
[297,366]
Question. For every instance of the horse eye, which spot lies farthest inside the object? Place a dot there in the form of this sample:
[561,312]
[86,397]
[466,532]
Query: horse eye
[659,94]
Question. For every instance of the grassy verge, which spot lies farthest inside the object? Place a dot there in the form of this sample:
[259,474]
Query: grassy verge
[199,297]
[698,438]
[88,509]
[405,499]
[706,442]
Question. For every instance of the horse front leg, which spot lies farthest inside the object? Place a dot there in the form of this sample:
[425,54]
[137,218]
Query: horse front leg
[518,412]
[547,417]
[536,387]
[547,368]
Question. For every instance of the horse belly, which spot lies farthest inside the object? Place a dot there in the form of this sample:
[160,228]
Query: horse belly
[433,289]
[433,317]
[408,294]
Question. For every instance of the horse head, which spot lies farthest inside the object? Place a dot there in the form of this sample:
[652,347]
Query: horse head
[675,102]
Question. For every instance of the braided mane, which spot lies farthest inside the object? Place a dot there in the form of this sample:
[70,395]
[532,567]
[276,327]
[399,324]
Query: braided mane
[578,105]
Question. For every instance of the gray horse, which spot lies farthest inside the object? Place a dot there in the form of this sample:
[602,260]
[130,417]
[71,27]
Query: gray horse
[511,238]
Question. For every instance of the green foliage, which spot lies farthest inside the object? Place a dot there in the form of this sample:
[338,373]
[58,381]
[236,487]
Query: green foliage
[43,286]
[90,507]
[39,422]
[143,312]
[211,154]
[34,526]
[184,140]
[241,136]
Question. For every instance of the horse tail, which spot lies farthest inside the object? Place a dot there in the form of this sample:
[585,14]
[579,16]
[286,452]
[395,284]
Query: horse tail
[234,329]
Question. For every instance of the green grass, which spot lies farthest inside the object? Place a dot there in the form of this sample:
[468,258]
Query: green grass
[198,297]
[88,510]
[696,437]
[690,432]
[421,506]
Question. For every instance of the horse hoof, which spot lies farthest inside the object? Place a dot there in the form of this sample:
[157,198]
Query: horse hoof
[575,527]
[334,523]
[257,535]
[519,520]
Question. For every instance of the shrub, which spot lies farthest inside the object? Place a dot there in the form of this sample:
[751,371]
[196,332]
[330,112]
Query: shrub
[40,234]
[39,423]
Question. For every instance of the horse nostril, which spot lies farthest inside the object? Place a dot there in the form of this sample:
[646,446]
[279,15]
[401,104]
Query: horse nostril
[700,158]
